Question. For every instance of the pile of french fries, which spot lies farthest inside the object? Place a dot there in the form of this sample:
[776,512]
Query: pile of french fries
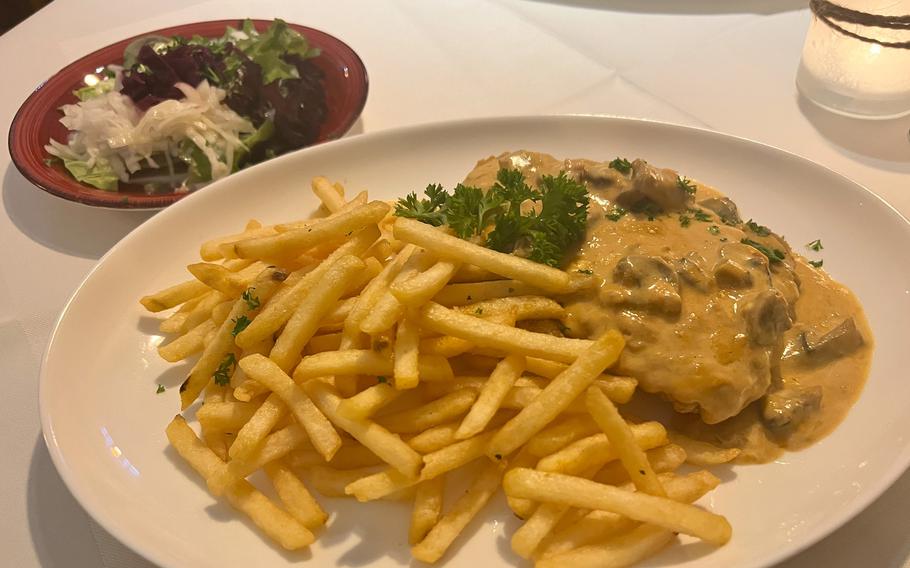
[373,357]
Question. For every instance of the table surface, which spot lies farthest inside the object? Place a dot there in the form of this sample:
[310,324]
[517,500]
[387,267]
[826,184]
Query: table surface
[719,64]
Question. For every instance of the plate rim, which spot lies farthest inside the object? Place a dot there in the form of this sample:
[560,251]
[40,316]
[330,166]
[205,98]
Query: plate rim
[96,511]
[139,202]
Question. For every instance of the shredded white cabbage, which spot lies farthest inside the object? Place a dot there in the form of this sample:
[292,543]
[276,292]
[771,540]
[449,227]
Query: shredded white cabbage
[110,128]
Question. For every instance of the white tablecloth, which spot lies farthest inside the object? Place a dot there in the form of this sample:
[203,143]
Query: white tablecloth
[722,64]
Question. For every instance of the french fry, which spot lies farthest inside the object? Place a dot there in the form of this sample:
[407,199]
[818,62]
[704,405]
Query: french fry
[595,525]
[350,456]
[616,552]
[520,307]
[318,428]
[597,449]
[379,485]
[294,495]
[388,310]
[331,199]
[211,250]
[701,453]
[269,413]
[454,456]
[175,322]
[173,296]
[491,396]
[304,322]
[662,459]
[380,441]
[248,390]
[468,293]
[187,344]
[365,403]
[471,273]
[286,245]
[322,343]
[430,414]
[202,311]
[502,337]
[273,521]
[222,345]
[444,533]
[278,311]
[276,446]
[546,516]
[561,434]
[438,437]
[523,508]
[583,493]
[370,295]
[449,247]
[623,442]
[420,288]
[407,357]
[219,278]
[331,482]
[366,362]
[558,395]
[225,416]
[239,378]
[426,509]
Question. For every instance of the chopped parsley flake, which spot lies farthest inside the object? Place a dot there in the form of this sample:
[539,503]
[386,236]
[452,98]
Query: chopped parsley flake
[621,165]
[714,230]
[616,213]
[774,255]
[686,185]
[701,215]
[759,230]
[684,220]
[585,271]
[225,369]
[817,263]
[478,311]
[252,302]
[383,380]
[160,389]
[240,323]
[815,245]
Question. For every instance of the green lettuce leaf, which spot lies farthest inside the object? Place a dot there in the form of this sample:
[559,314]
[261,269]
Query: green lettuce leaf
[263,133]
[100,175]
[105,85]
[266,49]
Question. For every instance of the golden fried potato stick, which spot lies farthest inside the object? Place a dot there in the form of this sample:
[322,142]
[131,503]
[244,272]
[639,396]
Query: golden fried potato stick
[583,493]
[452,248]
[426,509]
[558,395]
[273,521]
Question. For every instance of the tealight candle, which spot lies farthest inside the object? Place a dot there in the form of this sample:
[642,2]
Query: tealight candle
[856,59]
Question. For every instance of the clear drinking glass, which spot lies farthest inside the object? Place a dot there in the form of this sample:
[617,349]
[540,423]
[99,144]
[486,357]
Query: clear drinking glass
[853,77]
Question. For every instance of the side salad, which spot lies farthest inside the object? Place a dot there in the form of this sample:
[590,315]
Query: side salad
[182,112]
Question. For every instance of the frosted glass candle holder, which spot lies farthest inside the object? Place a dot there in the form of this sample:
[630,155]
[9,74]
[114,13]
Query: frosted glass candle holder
[856,59]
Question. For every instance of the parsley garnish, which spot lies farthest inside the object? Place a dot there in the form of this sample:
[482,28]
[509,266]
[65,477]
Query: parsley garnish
[543,232]
[429,210]
[621,165]
[252,302]
[815,245]
[714,230]
[616,213]
[774,255]
[160,389]
[759,230]
[240,323]
[585,271]
[222,375]
[383,380]
[700,215]
[684,220]
[478,311]
[817,263]
[686,185]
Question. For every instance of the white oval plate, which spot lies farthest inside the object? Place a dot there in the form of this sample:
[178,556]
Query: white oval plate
[104,424]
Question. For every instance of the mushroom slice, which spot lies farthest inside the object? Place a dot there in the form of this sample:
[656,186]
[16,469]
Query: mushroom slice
[690,270]
[644,282]
[767,317]
[724,208]
[789,407]
[840,341]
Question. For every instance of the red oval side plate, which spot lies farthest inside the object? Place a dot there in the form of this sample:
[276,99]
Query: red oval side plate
[38,119]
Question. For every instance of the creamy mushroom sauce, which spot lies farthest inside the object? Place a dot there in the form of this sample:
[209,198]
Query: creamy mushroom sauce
[754,353]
